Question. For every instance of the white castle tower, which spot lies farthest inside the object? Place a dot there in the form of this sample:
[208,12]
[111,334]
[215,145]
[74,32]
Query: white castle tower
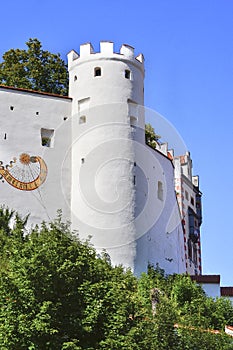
[122,192]
[105,88]
[86,154]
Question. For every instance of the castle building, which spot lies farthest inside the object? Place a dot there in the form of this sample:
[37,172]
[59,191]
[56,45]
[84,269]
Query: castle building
[86,155]
[189,200]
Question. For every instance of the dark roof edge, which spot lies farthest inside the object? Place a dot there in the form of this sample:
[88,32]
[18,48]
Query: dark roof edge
[34,92]
[206,278]
[162,154]
[226,291]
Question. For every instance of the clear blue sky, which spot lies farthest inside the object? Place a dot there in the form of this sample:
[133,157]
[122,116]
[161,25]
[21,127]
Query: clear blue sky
[188,47]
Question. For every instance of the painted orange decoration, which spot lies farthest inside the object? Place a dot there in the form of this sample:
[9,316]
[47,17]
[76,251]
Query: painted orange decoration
[29,176]
[24,158]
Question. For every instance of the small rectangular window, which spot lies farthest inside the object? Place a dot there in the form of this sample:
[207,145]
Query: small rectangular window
[82,119]
[127,74]
[190,249]
[133,121]
[192,200]
[195,254]
[47,137]
[97,72]
[186,195]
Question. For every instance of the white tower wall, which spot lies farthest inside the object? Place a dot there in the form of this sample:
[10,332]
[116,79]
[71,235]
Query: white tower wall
[103,155]
[115,176]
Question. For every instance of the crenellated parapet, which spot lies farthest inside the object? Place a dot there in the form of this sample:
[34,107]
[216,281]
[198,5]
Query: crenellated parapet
[106,76]
[106,52]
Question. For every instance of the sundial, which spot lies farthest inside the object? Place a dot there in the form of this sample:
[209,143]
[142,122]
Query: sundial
[25,173]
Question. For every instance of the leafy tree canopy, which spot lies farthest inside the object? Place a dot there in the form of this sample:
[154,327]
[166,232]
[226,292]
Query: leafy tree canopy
[56,293]
[151,136]
[34,69]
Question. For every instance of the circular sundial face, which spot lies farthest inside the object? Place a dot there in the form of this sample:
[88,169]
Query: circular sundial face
[26,173]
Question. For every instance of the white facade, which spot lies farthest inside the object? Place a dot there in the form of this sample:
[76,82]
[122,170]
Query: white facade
[23,115]
[189,200]
[101,174]
[209,283]
[212,288]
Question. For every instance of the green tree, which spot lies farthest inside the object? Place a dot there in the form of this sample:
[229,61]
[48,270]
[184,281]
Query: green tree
[150,136]
[34,69]
[56,293]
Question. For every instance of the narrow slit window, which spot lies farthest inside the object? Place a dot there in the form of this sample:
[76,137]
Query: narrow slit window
[11,108]
[75,78]
[190,250]
[82,160]
[160,190]
[47,137]
[82,119]
[97,72]
[127,74]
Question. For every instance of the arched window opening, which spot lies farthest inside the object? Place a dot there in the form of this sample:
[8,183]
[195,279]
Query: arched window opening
[97,72]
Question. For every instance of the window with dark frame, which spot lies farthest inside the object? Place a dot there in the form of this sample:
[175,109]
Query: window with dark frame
[127,74]
[47,137]
[97,72]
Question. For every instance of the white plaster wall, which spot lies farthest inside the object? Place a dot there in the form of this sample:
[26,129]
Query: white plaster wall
[111,86]
[22,127]
[114,174]
[103,155]
[161,238]
[211,289]
[100,172]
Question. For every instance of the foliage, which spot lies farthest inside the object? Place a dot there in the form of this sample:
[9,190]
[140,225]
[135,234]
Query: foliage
[34,69]
[56,293]
[150,136]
